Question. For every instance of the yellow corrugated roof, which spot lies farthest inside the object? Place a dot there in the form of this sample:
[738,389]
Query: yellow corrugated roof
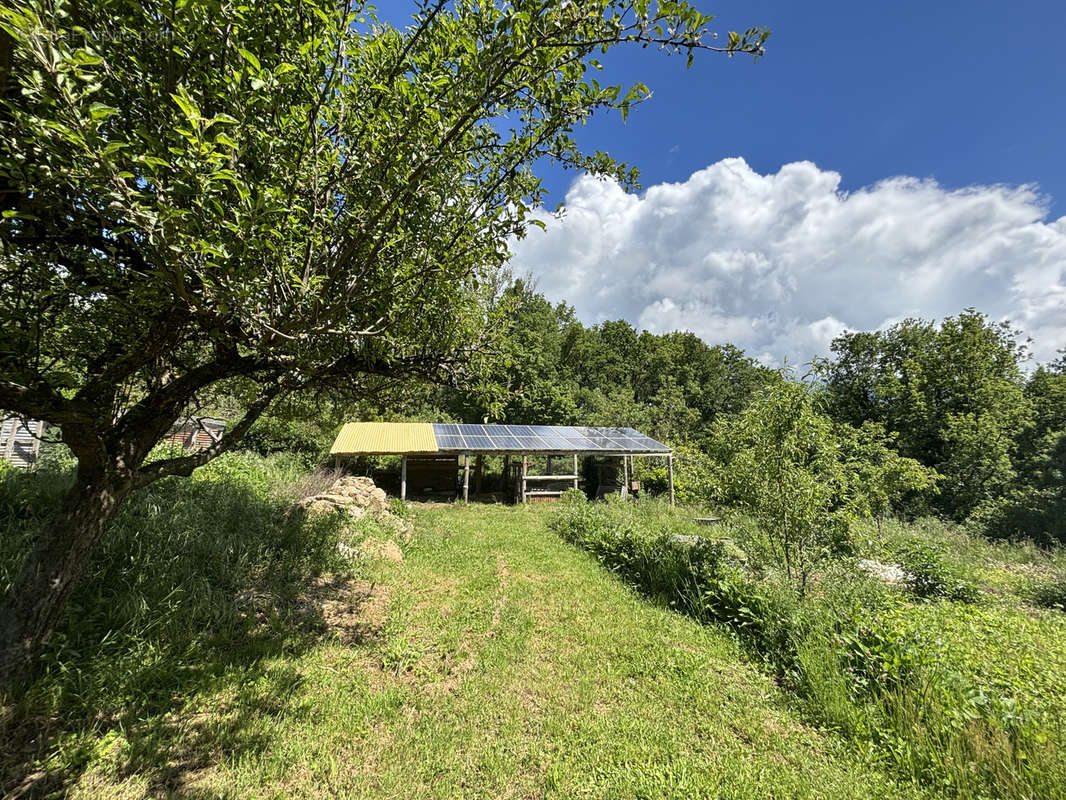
[383,438]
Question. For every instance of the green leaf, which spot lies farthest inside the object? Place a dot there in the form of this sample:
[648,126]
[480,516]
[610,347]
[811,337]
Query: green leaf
[250,58]
[187,106]
[100,110]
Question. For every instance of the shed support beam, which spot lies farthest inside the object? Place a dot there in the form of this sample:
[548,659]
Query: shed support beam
[466,477]
[403,477]
[525,469]
[625,477]
[670,472]
[575,470]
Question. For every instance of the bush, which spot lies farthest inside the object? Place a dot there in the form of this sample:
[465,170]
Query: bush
[930,577]
[276,435]
[1049,593]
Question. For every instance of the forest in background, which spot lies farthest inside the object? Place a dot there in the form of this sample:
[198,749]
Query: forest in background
[960,397]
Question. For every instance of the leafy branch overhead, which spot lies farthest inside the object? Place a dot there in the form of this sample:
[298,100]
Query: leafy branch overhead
[266,199]
[322,204]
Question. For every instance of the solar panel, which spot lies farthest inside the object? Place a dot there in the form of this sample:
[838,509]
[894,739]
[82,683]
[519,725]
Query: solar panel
[543,438]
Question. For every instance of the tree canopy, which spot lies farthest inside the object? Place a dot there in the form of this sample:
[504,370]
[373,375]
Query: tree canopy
[265,199]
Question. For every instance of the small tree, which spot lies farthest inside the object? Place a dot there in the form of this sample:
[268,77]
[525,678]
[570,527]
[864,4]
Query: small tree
[267,198]
[804,479]
[782,466]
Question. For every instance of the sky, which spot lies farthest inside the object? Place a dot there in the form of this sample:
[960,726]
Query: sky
[882,161]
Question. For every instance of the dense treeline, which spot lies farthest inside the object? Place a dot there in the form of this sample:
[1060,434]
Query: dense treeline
[954,396]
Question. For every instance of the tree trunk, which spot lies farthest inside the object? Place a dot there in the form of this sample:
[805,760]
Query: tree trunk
[34,605]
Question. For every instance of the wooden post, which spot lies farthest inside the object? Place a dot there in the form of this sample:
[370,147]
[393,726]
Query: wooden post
[403,477]
[625,477]
[575,470]
[670,472]
[525,468]
[508,487]
[548,466]
[336,462]
[466,477]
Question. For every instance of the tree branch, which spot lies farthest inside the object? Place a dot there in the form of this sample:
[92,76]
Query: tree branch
[184,465]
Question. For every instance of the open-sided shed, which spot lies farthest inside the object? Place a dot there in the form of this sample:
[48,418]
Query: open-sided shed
[425,439]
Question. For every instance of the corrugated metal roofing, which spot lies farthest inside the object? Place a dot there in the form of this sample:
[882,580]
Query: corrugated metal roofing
[384,438]
[377,438]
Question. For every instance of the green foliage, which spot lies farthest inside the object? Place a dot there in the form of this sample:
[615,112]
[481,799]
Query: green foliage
[666,554]
[697,477]
[928,576]
[1035,505]
[882,481]
[979,717]
[163,586]
[804,479]
[551,369]
[782,466]
[197,217]
[1049,592]
[275,435]
[953,396]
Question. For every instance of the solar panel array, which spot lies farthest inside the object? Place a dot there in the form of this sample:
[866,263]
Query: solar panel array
[543,438]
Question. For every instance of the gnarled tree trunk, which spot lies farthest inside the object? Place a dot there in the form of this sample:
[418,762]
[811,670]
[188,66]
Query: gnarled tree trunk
[33,606]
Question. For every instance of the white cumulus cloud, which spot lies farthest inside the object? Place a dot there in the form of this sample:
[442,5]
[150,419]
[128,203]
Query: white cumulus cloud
[780,264]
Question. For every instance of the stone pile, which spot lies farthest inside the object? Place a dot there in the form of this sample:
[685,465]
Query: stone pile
[888,574]
[356,496]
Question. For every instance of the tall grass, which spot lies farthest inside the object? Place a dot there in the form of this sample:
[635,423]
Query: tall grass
[164,608]
[965,698]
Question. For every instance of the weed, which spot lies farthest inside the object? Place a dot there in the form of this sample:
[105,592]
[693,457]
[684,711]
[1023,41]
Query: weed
[977,717]
[930,577]
[1049,593]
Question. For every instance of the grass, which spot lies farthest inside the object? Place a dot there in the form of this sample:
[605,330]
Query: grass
[510,665]
[952,678]
[494,661]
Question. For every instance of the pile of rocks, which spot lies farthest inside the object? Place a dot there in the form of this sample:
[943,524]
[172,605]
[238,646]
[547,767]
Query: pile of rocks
[888,574]
[356,496]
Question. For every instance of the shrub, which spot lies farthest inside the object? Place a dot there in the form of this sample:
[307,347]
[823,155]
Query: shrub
[1049,593]
[930,577]
[278,435]
[697,477]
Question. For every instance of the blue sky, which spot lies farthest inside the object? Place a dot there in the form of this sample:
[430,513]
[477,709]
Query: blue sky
[882,161]
[963,92]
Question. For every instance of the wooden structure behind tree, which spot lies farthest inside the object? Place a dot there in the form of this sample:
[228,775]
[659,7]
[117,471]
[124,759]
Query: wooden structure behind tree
[20,440]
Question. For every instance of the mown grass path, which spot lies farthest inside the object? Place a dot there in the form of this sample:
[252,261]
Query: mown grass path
[512,665]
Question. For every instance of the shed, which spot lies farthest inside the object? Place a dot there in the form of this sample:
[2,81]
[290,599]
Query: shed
[439,443]
[196,433]
[20,440]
